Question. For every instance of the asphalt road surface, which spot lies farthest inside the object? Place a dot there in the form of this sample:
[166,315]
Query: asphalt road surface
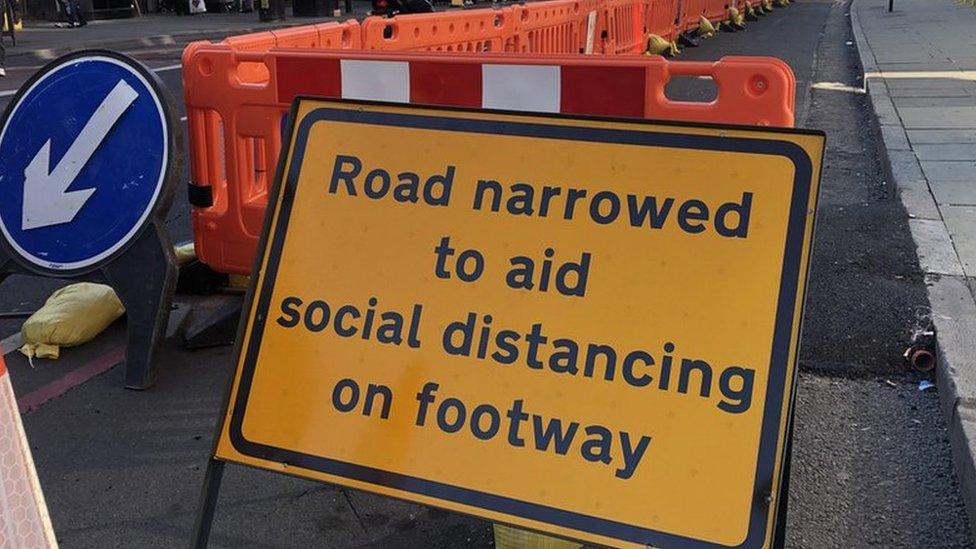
[871,463]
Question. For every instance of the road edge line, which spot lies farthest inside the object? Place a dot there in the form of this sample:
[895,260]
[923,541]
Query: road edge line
[100,364]
[11,343]
[952,302]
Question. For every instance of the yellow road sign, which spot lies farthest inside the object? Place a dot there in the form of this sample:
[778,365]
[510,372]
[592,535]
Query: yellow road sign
[584,327]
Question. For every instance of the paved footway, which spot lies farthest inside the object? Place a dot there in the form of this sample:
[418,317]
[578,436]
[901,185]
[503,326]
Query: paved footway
[920,71]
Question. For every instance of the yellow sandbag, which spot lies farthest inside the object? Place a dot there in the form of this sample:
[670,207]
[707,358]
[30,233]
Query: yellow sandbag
[507,537]
[239,281]
[659,46]
[185,253]
[736,18]
[705,27]
[72,315]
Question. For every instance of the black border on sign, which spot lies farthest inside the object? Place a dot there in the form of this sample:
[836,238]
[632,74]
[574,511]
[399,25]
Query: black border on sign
[272,242]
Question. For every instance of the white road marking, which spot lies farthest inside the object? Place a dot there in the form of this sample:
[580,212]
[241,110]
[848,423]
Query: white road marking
[837,86]
[11,343]
[8,93]
[969,75]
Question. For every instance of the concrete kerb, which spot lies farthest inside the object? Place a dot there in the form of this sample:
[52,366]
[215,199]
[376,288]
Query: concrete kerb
[953,306]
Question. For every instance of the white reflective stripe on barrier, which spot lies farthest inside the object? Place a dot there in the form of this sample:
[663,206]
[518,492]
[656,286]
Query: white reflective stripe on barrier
[529,88]
[376,80]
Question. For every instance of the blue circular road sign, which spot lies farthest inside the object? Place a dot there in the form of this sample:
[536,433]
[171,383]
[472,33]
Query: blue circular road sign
[85,154]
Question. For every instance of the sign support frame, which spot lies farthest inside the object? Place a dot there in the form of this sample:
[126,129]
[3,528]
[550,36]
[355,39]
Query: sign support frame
[213,477]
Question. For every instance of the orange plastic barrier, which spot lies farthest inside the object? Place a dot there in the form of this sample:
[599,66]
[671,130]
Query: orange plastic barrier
[331,35]
[235,125]
[622,25]
[661,18]
[690,11]
[713,10]
[718,10]
[559,26]
[478,31]
[556,27]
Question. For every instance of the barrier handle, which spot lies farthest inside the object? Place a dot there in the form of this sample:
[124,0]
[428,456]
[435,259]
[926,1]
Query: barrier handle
[749,84]
[250,56]
[692,68]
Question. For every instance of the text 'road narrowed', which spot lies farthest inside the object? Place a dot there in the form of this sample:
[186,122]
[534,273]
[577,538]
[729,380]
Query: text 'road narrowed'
[693,216]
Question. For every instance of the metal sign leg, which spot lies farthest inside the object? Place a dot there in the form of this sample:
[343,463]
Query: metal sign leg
[144,279]
[208,504]
[779,534]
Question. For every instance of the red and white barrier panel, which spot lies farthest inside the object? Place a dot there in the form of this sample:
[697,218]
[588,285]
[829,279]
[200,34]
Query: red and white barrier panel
[751,90]
[236,103]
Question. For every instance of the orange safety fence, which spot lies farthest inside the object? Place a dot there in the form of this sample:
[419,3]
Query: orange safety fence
[693,10]
[661,18]
[331,35]
[559,26]
[235,125]
[552,27]
[623,26]
[717,10]
[477,31]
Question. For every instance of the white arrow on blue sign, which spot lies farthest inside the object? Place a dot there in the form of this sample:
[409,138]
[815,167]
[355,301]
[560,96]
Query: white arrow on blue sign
[84,154]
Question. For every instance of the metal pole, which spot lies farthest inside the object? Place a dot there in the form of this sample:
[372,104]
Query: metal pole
[208,504]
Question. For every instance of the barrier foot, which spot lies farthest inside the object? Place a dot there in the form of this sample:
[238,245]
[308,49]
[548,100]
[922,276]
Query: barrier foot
[214,322]
[198,279]
[687,40]
[144,278]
